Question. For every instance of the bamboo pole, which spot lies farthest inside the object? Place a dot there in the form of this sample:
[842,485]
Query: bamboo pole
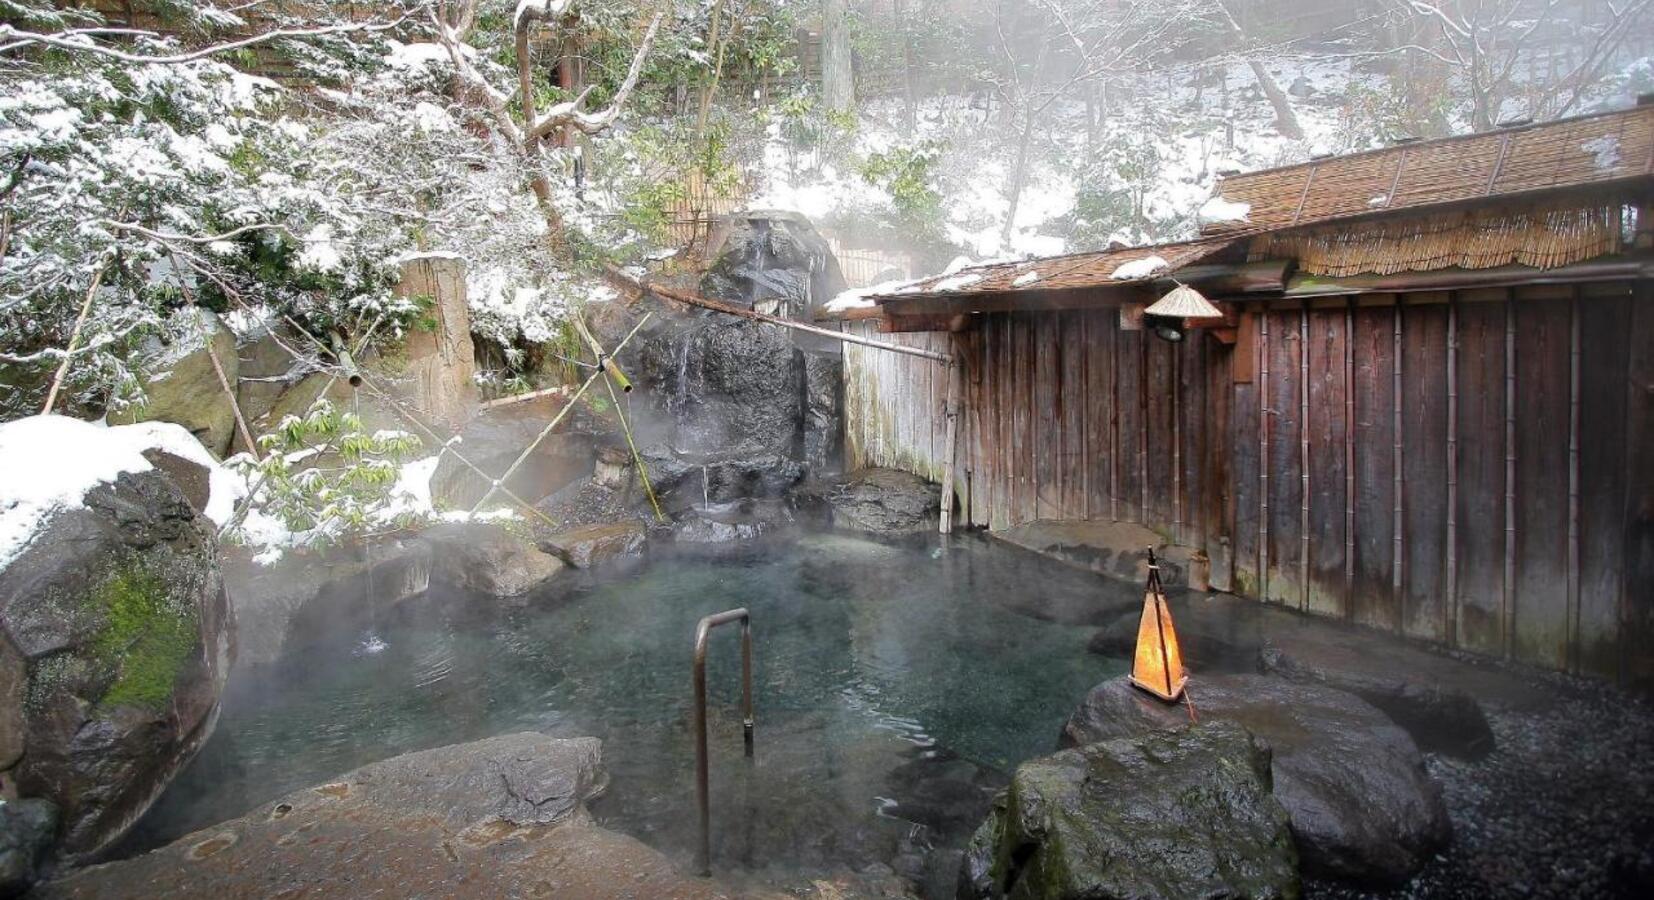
[637,458]
[1303,455]
[1263,455]
[522,398]
[555,421]
[1450,608]
[74,339]
[1573,480]
[1509,590]
[630,284]
[1398,482]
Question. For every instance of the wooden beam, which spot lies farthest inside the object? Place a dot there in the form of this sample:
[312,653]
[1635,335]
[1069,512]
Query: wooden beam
[1452,279]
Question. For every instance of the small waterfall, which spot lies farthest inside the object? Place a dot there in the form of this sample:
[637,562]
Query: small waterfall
[680,386]
[706,493]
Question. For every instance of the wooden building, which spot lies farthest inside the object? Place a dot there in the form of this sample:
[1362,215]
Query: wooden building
[1429,409]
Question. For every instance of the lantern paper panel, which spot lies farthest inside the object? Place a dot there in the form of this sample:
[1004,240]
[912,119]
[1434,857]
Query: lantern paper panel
[1158,666]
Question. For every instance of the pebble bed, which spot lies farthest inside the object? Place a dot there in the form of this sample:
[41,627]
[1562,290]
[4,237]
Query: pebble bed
[1563,807]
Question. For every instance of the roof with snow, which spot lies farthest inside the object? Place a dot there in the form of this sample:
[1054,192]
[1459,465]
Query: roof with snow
[1487,201]
[1124,265]
[1588,151]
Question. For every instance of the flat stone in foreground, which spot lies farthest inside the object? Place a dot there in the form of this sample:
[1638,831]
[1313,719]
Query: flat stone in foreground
[1362,806]
[502,817]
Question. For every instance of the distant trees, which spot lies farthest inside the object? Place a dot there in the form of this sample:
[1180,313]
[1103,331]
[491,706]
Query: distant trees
[838,86]
[1048,49]
[1538,58]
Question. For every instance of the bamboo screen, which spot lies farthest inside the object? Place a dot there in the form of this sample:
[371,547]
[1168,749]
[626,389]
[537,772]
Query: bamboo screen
[1480,238]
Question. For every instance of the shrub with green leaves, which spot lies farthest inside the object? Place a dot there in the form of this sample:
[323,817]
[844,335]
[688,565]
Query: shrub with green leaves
[324,477]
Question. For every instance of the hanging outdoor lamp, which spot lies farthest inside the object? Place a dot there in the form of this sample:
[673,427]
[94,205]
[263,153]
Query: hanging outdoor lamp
[1168,317]
[1157,666]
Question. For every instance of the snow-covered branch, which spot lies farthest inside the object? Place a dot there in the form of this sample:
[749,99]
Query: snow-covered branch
[79,41]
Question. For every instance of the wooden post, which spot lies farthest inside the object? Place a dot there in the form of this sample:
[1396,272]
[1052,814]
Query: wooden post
[1303,456]
[1573,652]
[950,409]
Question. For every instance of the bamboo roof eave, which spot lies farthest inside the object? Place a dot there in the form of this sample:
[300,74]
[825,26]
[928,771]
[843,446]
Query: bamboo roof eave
[1623,268]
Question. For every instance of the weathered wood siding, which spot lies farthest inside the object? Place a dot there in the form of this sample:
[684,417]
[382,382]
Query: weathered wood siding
[1465,468]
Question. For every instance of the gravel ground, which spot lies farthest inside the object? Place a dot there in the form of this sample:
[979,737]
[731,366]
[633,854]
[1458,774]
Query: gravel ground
[1564,807]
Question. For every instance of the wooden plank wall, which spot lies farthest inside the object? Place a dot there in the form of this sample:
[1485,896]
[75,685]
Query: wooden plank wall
[1466,468]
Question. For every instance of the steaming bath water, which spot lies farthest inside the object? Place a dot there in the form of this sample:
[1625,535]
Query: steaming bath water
[896,688]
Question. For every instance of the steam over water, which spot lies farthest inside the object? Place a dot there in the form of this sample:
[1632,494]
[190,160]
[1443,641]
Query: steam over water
[895,690]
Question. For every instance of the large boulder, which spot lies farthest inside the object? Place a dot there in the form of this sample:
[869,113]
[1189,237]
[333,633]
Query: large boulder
[115,632]
[502,817]
[593,545]
[488,559]
[1362,806]
[773,261]
[1439,715]
[884,501]
[1184,813]
[183,386]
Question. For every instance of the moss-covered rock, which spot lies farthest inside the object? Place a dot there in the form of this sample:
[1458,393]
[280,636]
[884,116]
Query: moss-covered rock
[1176,814]
[115,616]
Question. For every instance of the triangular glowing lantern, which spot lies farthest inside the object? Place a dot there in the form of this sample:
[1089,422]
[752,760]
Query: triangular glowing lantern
[1158,664]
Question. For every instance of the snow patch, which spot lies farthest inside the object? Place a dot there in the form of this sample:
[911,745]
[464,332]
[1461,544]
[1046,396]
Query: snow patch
[956,282]
[1218,211]
[48,463]
[1139,268]
[1606,149]
[1025,279]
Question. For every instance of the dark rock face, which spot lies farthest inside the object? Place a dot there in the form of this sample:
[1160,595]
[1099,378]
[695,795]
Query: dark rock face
[502,817]
[728,409]
[1442,719]
[1184,813]
[1362,806]
[775,262]
[116,619]
[884,501]
[26,829]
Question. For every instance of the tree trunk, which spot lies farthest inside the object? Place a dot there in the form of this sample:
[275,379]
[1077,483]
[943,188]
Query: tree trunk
[1019,176]
[838,87]
[1286,121]
[910,103]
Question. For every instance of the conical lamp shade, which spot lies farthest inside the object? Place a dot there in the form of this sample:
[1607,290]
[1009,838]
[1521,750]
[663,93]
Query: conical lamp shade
[1158,665]
[1184,302]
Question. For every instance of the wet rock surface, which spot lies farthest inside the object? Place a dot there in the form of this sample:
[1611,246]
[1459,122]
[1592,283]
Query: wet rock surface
[1439,716]
[1180,813]
[883,501]
[115,641]
[1363,806]
[26,830]
[502,817]
[593,545]
[773,261]
[488,559]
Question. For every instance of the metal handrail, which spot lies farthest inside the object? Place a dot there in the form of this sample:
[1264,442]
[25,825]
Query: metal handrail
[703,858]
